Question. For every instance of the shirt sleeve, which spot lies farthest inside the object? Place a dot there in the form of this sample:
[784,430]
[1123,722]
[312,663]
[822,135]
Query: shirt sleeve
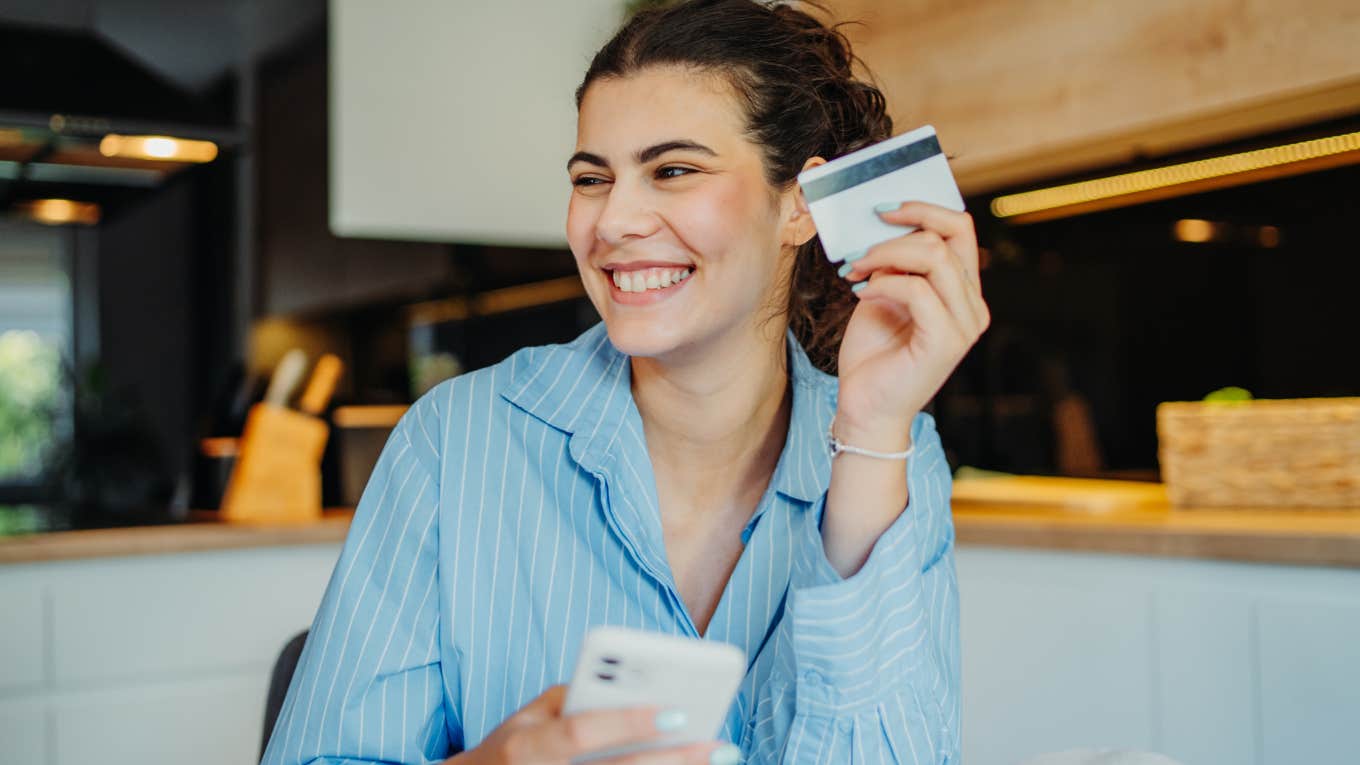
[870,667]
[369,686]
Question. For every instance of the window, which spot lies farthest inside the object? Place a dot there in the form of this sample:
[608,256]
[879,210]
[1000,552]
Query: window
[35,344]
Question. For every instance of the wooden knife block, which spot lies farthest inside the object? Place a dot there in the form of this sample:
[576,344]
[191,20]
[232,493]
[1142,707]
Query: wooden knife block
[277,478]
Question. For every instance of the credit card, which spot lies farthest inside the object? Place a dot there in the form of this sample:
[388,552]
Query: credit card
[842,193]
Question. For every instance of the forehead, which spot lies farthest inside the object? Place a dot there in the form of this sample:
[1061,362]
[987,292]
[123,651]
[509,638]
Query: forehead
[621,114]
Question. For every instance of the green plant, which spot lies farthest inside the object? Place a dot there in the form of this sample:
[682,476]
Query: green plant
[1228,395]
[30,388]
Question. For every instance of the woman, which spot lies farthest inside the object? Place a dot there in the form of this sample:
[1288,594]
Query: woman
[669,469]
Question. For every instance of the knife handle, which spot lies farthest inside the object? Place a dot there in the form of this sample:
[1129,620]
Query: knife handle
[321,386]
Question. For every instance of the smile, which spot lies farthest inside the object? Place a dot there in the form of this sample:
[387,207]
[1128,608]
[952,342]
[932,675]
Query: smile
[645,286]
[649,278]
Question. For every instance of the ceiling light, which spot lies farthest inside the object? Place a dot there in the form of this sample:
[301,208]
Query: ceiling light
[157,147]
[1194,230]
[1268,236]
[56,212]
[1177,180]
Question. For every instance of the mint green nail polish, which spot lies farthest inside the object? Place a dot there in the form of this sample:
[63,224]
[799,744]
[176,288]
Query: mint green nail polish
[856,255]
[671,720]
[725,755]
[845,269]
[883,207]
[857,286]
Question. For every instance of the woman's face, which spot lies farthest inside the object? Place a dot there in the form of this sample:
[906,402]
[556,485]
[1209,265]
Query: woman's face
[677,234]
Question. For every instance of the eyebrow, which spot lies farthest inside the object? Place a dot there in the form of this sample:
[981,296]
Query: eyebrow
[645,155]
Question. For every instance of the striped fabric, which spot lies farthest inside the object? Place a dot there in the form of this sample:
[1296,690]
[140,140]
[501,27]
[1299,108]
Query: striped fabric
[515,507]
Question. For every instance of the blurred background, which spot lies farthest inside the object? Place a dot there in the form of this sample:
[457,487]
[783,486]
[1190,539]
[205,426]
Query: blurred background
[401,206]
[191,190]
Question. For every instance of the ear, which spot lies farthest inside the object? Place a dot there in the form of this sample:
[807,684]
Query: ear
[798,225]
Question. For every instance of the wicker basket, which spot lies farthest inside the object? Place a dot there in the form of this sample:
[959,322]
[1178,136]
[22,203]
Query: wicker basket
[1278,453]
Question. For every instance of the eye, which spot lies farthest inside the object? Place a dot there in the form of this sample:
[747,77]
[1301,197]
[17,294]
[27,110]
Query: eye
[668,170]
[588,180]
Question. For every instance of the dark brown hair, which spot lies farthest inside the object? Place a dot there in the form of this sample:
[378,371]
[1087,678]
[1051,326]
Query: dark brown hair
[793,76]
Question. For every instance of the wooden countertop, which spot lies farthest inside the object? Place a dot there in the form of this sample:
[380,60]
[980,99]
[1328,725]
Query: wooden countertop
[177,538]
[1024,512]
[1303,537]
[1132,518]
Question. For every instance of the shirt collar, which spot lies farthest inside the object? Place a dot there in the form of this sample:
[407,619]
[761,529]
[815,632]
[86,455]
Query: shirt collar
[584,388]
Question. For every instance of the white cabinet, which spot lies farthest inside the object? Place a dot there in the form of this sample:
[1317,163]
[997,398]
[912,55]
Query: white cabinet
[1310,677]
[453,122]
[166,658]
[1205,678]
[1059,666]
[151,659]
[21,635]
[1209,663]
[23,731]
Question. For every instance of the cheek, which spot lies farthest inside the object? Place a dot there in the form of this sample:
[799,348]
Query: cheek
[581,217]
[723,224]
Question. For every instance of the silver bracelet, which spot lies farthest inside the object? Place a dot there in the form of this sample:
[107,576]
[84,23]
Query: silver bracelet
[838,446]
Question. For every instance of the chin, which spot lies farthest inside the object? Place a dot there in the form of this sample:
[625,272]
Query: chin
[638,336]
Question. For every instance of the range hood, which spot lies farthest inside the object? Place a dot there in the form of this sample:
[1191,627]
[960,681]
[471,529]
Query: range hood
[66,93]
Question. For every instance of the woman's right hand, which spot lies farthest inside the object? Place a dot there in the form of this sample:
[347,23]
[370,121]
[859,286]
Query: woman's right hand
[539,734]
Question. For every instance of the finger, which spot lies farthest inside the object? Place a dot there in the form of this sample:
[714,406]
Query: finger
[689,754]
[547,706]
[594,730]
[954,227]
[924,252]
[918,297]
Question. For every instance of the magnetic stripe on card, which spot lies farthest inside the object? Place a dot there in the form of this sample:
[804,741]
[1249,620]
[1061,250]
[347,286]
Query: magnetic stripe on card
[871,168]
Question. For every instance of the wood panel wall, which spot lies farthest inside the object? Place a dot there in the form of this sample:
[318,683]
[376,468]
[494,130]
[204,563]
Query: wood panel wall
[1022,90]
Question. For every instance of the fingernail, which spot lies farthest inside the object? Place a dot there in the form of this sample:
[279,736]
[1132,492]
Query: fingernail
[671,720]
[856,255]
[845,269]
[857,286]
[885,207]
[725,755]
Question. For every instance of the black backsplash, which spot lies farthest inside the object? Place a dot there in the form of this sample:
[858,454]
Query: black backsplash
[1108,310]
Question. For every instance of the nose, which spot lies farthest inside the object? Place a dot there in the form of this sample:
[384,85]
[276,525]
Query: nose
[628,214]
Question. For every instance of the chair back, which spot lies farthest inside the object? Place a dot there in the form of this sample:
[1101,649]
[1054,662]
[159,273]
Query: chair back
[278,685]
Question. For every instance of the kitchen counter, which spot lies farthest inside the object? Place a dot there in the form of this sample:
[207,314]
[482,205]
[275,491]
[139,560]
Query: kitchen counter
[1302,537]
[1136,518]
[1022,512]
[203,533]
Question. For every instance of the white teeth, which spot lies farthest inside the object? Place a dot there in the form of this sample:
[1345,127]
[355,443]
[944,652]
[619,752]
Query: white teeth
[649,279]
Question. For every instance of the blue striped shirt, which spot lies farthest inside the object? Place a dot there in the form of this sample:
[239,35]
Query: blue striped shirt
[515,507]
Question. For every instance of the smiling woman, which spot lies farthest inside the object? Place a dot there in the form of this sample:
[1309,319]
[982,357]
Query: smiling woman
[675,185]
[668,470]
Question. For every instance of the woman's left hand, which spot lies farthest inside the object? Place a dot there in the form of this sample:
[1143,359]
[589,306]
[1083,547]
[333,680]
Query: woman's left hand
[919,314]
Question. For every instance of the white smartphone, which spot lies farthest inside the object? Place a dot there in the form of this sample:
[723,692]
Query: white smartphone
[620,668]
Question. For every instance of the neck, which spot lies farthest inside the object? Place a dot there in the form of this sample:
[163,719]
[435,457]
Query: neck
[722,415]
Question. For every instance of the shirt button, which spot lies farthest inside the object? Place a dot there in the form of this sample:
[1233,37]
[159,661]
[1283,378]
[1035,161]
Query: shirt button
[812,678]
[844,726]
